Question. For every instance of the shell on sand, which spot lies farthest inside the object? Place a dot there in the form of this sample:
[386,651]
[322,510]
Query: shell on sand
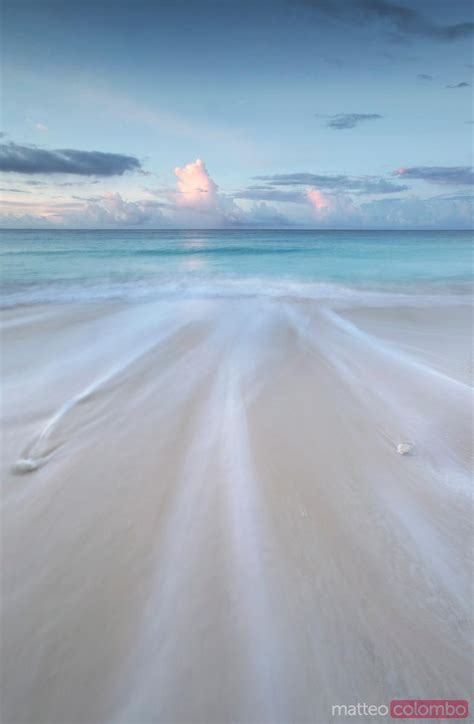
[25,465]
[405,448]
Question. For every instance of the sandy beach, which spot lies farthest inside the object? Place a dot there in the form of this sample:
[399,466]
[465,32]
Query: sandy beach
[205,517]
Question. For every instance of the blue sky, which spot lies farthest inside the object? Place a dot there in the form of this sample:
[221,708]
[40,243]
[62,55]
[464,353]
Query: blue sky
[226,113]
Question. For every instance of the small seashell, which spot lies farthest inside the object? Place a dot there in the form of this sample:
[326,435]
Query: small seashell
[25,465]
[405,448]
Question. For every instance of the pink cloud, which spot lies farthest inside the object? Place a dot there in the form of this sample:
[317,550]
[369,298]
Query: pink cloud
[196,187]
[198,201]
[332,207]
[320,202]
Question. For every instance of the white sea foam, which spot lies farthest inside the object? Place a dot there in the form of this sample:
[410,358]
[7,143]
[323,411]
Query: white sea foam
[239,287]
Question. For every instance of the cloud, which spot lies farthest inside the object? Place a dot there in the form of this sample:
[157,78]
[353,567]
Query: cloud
[316,201]
[196,185]
[406,21]
[33,160]
[107,210]
[198,196]
[196,203]
[339,211]
[261,215]
[25,221]
[411,22]
[341,121]
[39,126]
[111,209]
[424,76]
[329,208]
[462,84]
[333,61]
[14,191]
[322,210]
[444,175]
[199,203]
[268,193]
[355,184]
[414,213]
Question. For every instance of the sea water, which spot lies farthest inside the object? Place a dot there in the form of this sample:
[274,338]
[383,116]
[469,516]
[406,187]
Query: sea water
[64,265]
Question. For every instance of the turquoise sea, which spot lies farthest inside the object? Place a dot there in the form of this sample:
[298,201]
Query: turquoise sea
[63,265]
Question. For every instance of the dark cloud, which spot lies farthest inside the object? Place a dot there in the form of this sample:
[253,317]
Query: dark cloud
[404,20]
[333,61]
[455,197]
[14,191]
[463,84]
[380,186]
[399,57]
[357,184]
[409,21]
[61,184]
[455,175]
[268,193]
[66,184]
[341,121]
[32,160]
[424,76]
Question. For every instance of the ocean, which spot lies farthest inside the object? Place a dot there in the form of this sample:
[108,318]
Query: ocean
[61,265]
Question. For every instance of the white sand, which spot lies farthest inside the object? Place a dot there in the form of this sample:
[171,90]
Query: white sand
[218,527]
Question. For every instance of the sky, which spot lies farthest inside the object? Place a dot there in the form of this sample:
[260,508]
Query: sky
[237,114]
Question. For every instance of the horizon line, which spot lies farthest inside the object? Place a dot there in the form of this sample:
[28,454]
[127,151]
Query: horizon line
[256,228]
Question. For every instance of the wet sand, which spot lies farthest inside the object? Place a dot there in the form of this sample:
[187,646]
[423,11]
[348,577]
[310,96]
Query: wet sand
[205,517]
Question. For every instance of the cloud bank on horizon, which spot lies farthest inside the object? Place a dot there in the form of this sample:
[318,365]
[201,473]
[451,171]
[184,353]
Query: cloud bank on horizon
[325,201]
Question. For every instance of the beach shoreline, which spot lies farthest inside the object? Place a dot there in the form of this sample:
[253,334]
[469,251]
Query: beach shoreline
[216,525]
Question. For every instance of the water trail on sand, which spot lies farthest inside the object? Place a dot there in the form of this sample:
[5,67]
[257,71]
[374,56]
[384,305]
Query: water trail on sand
[256,449]
[216,496]
[387,378]
[249,530]
[238,357]
[155,333]
[406,400]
